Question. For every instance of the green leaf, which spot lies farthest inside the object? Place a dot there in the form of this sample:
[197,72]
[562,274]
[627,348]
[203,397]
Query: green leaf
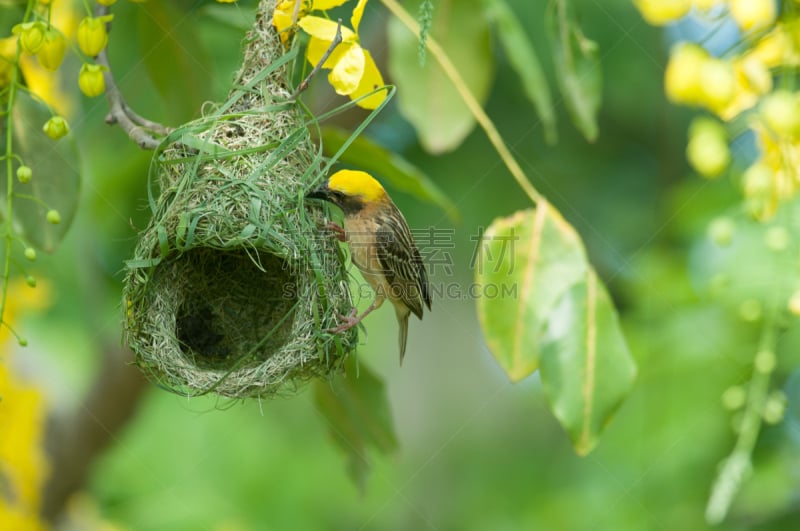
[523,59]
[543,307]
[356,409]
[174,57]
[577,70]
[373,158]
[587,369]
[426,96]
[56,176]
[535,256]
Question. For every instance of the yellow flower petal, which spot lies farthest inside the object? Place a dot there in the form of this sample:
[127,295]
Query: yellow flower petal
[326,4]
[753,14]
[317,48]
[682,78]
[324,29]
[661,12]
[281,20]
[752,79]
[358,12]
[371,80]
[773,47]
[346,75]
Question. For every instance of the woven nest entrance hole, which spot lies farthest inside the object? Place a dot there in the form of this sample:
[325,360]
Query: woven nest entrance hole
[221,315]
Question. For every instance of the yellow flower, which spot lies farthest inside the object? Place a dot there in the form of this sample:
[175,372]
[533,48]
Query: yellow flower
[353,72]
[288,12]
[52,50]
[752,80]
[705,5]
[92,34]
[682,79]
[777,47]
[324,5]
[717,84]
[23,465]
[707,150]
[780,112]
[753,14]
[8,53]
[774,177]
[284,17]
[91,80]
[31,35]
[660,12]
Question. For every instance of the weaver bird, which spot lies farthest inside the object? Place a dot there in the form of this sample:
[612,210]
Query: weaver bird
[381,247]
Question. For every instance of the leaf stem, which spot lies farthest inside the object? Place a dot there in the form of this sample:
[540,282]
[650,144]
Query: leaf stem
[472,104]
[9,235]
[33,199]
[738,464]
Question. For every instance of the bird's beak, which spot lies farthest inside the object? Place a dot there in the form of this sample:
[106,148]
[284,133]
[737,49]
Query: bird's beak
[319,193]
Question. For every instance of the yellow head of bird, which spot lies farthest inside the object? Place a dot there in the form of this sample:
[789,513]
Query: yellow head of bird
[356,184]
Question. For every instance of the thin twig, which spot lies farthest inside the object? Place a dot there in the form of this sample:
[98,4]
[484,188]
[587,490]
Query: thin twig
[337,40]
[139,129]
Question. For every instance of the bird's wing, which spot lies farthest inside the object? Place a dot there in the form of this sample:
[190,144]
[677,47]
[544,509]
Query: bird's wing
[401,263]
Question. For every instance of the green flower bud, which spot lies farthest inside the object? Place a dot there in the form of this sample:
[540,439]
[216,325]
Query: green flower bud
[91,80]
[775,408]
[750,310]
[757,180]
[777,239]
[24,174]
[23,342]
[56,127]
[794,304]
[30,281]
[31,35]
[92,35]
[721,231]
[52,51]
[53,217]
[30,253]
[734,397]
[708,151]
[765,361]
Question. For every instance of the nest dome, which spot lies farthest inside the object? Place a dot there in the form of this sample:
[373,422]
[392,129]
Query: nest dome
[232,285]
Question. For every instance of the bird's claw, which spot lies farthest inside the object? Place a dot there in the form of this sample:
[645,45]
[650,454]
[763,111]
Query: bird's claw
[350,321]
[338,231]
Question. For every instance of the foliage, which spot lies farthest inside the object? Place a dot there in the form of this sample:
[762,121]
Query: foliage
[561,320]
[748,86]
[681,210]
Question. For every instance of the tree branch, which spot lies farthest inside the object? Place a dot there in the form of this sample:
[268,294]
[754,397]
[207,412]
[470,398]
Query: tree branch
[142,131]
[75,439]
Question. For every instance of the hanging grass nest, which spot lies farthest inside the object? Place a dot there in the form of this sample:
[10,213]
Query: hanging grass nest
[232,284]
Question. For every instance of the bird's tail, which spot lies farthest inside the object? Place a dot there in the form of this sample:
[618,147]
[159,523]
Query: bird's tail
[402,320]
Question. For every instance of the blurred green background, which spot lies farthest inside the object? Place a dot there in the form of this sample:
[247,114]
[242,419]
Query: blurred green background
[476,452]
